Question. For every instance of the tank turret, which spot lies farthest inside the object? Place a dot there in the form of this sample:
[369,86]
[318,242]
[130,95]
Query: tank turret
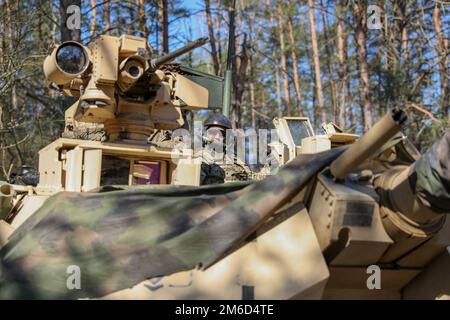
[119,129]
[120,88]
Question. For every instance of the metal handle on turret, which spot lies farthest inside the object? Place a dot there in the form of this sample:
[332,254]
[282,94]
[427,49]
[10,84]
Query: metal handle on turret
[384,130]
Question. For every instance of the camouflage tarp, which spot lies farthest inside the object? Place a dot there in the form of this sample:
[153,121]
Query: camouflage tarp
[119,238]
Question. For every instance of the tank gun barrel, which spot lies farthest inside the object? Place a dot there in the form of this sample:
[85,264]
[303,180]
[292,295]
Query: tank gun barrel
[157,62]
[386,128]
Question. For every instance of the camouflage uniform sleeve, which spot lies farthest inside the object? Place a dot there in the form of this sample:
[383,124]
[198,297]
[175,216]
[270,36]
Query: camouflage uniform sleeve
[162,139]
[431,178]
[86,131]
[236,172]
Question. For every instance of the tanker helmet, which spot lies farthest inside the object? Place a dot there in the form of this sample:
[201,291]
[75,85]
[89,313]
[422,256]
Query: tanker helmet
[219,120]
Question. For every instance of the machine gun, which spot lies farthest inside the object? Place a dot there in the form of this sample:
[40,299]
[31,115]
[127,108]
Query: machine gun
[158,62]
[152,65]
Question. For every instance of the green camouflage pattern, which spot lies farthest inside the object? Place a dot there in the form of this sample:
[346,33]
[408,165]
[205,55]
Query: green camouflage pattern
[120,236]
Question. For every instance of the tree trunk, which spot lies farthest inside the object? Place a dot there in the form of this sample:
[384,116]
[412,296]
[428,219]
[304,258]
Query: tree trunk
[10,41]
[313,112]
[106,17]
[54,23]
[41,43]
[263,105]
[319,91]
[93,20]
[239,72]
[351,114]
[212,39]
[442,49]
[349,94]
[275,58]
[2,32]
[385,33]
[295,66]
[278,87]
[243,78]
[164,23]
[14,101]
[342,61]
[132,27]
[400,8]
[405,43]
[218,36]
[389,39]
[360,14]
[66,33]
[287,94]
[328,51]
[142,19]
[383,51]
[252,86]
[252,102]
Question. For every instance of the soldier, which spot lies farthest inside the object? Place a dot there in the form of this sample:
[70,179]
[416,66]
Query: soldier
[217,166]
[27,176]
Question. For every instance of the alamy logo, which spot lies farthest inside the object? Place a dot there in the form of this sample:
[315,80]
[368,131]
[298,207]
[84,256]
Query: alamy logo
[73,17]
[373,17]
[226,147]
[73,281]
[374,280]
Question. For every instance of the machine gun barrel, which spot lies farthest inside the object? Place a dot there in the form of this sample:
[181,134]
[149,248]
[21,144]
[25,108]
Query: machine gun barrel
[157,62]
[388,126]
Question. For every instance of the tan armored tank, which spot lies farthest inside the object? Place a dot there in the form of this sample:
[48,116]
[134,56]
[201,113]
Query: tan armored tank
[345,217]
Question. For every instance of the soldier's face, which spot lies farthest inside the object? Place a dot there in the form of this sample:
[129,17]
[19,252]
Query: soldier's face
[215,133]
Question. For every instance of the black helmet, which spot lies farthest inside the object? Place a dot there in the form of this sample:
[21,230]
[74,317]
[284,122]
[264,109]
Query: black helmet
[218,119]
